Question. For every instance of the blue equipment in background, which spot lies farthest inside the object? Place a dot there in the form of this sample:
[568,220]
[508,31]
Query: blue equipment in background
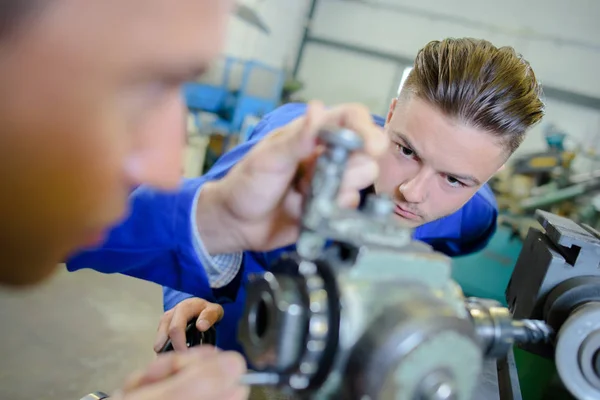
[245,88]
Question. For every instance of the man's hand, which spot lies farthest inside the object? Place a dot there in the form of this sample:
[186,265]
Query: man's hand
[202,374]
[257,206]
[173,323]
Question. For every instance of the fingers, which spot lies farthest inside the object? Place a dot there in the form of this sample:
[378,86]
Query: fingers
[215,376]
[357,118]
[297,141]
[360,172]
[209,316]
[349,199]
[292,143]
[240,393]
[219,374]
[203,374]
[184,312]
[174,322]
[166,365]
[162,334]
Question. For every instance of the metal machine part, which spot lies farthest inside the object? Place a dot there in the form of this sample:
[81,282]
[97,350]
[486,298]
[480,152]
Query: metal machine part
[557,279]
[578,352]
[326,331]
[363,312]
[498,332]
[323,220]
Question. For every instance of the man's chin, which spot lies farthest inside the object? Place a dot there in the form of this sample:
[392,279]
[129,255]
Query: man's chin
[17,278]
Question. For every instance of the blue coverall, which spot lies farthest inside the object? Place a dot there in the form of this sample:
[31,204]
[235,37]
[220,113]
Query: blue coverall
[155,242]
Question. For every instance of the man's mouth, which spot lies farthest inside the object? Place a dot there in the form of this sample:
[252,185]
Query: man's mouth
[404,213]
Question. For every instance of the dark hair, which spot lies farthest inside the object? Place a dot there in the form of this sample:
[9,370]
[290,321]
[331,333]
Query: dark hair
[479,84]
[12,13]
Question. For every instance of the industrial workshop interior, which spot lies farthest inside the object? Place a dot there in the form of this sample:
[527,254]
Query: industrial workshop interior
[491,291]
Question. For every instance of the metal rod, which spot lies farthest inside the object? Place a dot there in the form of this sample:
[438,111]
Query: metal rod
[260,379]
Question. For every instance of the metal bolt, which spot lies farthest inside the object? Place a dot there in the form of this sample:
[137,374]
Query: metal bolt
[331,164]
[324,188]
[259,379]
[344,139]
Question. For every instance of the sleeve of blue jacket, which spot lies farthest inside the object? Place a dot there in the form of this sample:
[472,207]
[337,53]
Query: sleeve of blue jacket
[464,232]
[276,119]
[155,242]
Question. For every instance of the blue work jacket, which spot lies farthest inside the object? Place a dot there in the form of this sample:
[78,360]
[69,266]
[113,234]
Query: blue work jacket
[155,242]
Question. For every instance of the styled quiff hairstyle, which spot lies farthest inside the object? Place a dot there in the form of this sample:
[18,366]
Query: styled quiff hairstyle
[480,85]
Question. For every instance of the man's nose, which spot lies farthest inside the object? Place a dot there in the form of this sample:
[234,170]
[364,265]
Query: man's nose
[157,159]
[414,190]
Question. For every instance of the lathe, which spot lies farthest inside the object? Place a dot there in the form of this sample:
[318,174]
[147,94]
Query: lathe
[361,311]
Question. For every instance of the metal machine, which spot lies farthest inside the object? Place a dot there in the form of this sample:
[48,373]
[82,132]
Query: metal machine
[557,279]
[361,311]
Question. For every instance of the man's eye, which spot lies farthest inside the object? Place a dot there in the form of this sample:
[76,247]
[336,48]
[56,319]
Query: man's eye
[405,151]
[454,182]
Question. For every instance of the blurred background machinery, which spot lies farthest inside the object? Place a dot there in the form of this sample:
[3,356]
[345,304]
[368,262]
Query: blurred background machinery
[547,180]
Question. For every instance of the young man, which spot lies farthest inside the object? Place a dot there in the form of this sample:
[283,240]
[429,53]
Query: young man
[91,108]
[464,109]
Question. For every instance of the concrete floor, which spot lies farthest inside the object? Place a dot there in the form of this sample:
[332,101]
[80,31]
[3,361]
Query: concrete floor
[78,333]
[83,332]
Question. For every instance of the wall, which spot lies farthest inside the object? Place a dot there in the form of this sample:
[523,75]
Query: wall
[285,18]
[556,36]
[339,76]
[560,39]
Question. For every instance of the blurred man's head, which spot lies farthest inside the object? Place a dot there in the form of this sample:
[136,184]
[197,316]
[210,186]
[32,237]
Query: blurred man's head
[90,107]
[463,110]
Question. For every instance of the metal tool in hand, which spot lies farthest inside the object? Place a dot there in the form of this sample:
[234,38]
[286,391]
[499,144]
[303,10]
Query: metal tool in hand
[371,315]
[317,324]
[323,221]
[325,185]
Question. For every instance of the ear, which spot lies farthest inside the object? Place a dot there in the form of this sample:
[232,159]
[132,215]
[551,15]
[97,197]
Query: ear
[391,110]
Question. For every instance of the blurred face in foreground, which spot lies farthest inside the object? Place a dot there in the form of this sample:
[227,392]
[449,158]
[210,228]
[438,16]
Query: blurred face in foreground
[91,107]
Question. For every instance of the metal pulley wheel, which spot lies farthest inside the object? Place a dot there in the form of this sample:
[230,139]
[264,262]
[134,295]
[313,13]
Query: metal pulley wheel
[578,352]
